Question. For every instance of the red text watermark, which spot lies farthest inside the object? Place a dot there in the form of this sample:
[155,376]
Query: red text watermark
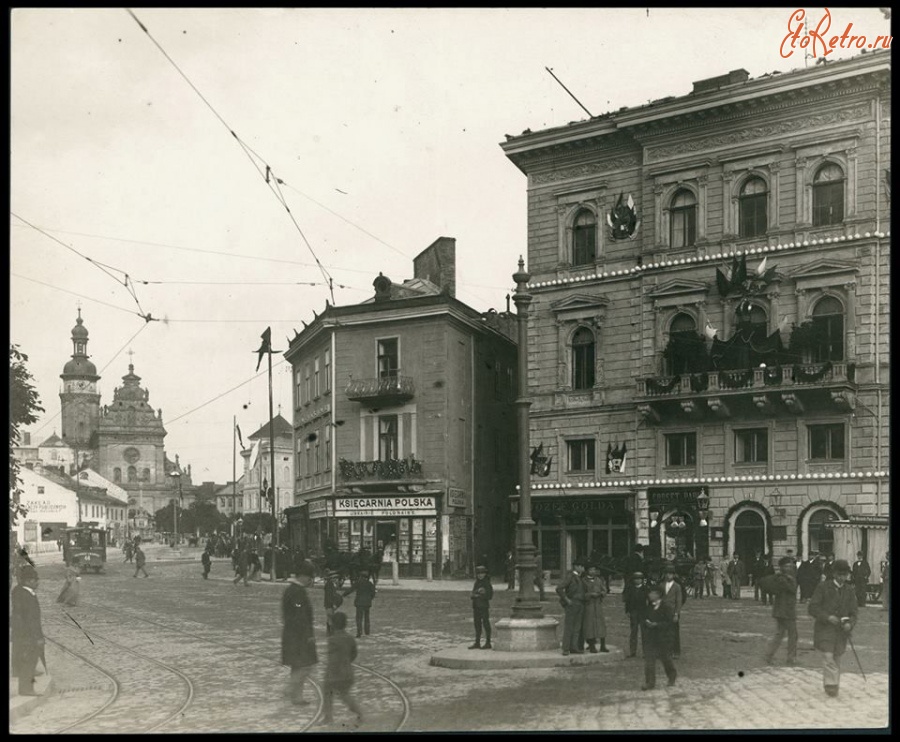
[816,39]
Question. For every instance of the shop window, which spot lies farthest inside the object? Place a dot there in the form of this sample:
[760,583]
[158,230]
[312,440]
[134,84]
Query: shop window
[581,455]
[828,330]
[826,442]
[751,446]
[681,449]
[753,205]
[584,238]
[388,442]
[828,196]
[583,350]
[388,358]
[683,219]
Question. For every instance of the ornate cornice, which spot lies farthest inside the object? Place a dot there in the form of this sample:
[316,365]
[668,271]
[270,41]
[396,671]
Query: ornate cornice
[586,170]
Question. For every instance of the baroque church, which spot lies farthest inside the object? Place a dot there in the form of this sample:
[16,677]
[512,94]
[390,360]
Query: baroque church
[122,441]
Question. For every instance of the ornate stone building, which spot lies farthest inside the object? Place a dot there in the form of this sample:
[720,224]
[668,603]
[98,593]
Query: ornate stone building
[709,333]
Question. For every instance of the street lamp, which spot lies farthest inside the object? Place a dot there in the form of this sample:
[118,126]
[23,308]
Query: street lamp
[703,507]
[176,505]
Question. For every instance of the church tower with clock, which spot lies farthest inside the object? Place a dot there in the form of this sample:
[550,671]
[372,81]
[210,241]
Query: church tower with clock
[79,398]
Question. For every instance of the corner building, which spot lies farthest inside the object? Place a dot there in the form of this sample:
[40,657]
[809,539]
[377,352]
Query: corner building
[711,278]
[403,424]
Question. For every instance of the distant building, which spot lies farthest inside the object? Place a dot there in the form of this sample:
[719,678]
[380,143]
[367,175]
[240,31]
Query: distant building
[52,507]
[403,424]
[229,497]
[258,471]
[709,333]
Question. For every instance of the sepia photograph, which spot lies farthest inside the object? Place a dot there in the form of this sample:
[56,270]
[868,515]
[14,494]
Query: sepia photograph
[449,370]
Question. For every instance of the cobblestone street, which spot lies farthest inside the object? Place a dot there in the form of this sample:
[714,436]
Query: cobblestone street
[175,653]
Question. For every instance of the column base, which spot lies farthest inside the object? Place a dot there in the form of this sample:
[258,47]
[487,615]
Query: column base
[525,634]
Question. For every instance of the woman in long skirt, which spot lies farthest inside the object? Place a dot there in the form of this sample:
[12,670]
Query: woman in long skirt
[594,622]
[69,594]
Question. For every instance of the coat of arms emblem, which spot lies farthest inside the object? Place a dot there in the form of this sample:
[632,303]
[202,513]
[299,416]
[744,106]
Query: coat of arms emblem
[623,219]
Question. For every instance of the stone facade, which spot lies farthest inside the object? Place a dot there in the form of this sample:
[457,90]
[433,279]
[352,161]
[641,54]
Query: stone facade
[787,172]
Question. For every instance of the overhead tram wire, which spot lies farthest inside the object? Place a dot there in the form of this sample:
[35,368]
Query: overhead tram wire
[80,296]
[126,281]
[269,173]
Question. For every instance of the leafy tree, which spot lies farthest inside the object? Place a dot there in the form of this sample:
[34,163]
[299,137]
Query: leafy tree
[254,522]
[24,403]
[204,516]
[165,519]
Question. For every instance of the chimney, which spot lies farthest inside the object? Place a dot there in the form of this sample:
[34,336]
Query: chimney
[714,83]
[437,263]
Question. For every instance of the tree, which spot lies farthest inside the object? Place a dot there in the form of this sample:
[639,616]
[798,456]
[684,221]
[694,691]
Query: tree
[24,403]
[165,518]
[203,516]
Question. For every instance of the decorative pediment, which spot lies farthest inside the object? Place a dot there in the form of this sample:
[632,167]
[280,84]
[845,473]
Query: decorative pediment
[823,268]
[580,303]
[678,287]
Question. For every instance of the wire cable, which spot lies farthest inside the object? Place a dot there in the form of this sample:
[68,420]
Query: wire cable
[73,293]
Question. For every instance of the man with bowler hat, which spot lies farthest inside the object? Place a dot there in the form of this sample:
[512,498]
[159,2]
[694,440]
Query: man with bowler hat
[634,596]
[27,635]
[861,572]
[834,607]
[571,596]
[673,596]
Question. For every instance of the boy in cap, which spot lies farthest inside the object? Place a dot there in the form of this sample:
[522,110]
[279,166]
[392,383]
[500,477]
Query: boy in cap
[783,589]
[657,626]
[365,594]
[298,641]
[635,597]
[571,596]
[834,607]
[482,592]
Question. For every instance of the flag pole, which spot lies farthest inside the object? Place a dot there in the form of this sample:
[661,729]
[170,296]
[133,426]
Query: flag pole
[272,468]
[233,471]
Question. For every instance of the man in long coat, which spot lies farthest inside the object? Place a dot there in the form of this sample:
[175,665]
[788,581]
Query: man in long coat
[834,607]
[298,641]
[673,596]
[27,635]
[657,634]
[634,595]
[783,589]
[571,595]
[736,575]
[594,622]
[809,574]
[861,572]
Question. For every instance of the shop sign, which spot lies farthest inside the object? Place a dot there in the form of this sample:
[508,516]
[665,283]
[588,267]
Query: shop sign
[386,506]
[318,509]
[577,506]
[456,498]
[660,496]
[43,506]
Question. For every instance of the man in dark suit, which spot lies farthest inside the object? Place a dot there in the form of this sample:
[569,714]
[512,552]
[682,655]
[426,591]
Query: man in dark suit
[27,635]
[571,595]
[298,641]
[861,572]
[635,597]
[809,574]
[834,607]
[634,562]
[673,596]
[657,628]
[783,589]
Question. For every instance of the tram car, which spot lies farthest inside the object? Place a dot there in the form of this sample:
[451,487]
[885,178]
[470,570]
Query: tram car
[84,549]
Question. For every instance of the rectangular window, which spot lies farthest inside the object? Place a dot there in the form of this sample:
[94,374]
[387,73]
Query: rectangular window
[307,388]
[751,446]
[298,390]
[388,358]
[327,370]
[316,379]
[308,458]
[318,451]
[681,449]
[828,204]
[327,447]
[584,241]
[826,441]
[753,215]
[388,442]
[581,455]
[40,490]
[684,226]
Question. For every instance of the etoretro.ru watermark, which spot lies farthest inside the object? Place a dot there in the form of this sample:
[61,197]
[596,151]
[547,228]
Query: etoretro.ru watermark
[802,34]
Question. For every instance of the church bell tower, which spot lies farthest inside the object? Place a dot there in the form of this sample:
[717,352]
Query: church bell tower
[79,398]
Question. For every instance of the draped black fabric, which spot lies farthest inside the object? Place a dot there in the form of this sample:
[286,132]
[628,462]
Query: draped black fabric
[809,375]
[686,353]
[655,387]
[747,348]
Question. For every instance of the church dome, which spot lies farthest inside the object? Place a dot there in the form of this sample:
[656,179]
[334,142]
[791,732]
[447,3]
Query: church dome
[131,390]
[79,366]
[79,332]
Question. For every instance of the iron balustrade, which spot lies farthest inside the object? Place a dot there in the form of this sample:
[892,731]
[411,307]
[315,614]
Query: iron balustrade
[386,387]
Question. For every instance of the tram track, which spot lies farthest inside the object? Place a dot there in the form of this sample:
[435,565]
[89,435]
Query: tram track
[403,698]
[126,690]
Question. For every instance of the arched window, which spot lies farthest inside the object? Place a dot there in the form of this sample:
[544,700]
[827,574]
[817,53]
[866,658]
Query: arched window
[683,219]
[828,326]
[753,204]
[828,195]
[583,359]
[584,238]
[821,539]
[117,474]
[145,475]
[132,474]
[682,344]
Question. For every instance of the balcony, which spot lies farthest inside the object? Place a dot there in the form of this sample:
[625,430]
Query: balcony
[752,392]
[385,391]
[393,470]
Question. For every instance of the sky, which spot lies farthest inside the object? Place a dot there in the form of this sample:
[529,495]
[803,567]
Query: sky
[144,155]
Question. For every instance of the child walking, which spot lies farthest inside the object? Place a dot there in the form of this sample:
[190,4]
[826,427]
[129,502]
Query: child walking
[339,670]
[365,594]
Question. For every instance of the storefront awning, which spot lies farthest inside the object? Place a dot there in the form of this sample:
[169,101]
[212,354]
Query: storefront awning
[862,521]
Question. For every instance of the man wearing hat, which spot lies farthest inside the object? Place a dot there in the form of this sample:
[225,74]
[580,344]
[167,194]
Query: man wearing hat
[634,596]
[673,596]
[861,572]
[571,596]
[333,599]
[833,606]
[27,635]
[482,592]
[365,594]
[298,641]
[783,589]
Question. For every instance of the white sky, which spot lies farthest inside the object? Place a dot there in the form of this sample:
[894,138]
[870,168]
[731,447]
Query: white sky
[114,154]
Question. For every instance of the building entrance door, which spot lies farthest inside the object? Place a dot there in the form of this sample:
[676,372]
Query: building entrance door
[385,532]
[749,539]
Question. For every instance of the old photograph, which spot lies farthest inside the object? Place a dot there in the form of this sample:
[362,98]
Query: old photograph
[414,370]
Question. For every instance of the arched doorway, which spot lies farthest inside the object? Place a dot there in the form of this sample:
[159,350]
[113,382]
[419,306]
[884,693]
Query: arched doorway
[749,538]
[819,537]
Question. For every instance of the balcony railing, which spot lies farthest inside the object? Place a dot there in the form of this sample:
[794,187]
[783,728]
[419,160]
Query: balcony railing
[791,388]
[396,389]
[360,471]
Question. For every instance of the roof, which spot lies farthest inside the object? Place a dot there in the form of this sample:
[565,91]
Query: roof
[283,429]
[225,490]
[53,440]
